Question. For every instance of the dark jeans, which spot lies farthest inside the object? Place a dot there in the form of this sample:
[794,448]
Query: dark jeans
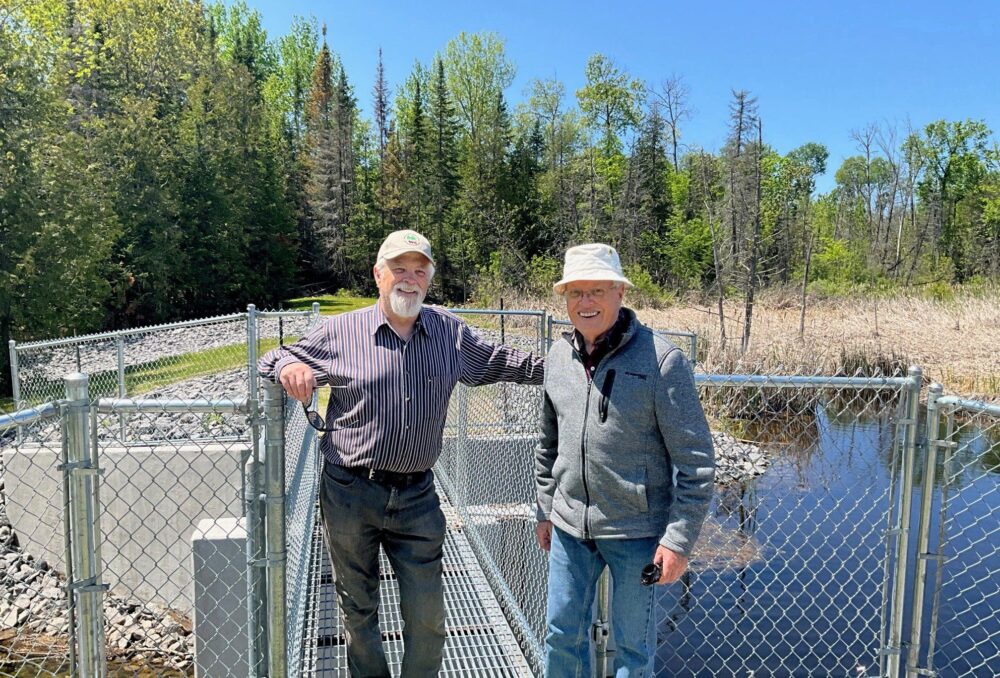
[360,515]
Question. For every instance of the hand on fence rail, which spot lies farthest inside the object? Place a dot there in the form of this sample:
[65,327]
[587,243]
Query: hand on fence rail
[299,381]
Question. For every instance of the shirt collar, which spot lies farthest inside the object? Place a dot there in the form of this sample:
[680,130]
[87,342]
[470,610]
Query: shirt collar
[379,319]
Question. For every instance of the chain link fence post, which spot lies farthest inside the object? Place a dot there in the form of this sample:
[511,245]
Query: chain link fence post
[924,528]
[15,382]
[256,533]
[274,502]
[894,647]
[84,523]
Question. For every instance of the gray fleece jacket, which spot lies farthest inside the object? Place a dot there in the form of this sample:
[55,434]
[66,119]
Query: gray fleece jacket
[608,449]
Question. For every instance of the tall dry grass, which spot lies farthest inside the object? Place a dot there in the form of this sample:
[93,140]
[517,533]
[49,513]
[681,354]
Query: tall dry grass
[955,342]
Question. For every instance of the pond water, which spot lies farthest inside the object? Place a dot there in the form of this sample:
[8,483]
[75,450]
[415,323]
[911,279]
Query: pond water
[809,603]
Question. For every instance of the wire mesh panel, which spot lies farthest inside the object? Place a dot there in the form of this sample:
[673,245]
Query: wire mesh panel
[301,516]
[34,608]
[134,362]
[486,470]
[173,542]
[207,358]
[788,575]
[965,604]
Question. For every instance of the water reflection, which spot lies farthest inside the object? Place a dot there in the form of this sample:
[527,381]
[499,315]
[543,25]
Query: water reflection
[788,577]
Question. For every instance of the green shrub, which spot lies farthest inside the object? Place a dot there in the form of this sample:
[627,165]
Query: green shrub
[543,272]
[645,291]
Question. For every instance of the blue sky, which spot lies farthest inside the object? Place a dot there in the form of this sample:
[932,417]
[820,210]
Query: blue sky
[818,69]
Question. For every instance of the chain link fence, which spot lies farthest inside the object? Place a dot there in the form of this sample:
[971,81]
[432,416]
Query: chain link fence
[819,556]
[172,501]
[34,608]
[206,357]
[789,576]
[486,471]
[956,629]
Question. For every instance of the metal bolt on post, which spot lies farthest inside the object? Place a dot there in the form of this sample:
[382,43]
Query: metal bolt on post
[602,624]
[274,464]
[86,589]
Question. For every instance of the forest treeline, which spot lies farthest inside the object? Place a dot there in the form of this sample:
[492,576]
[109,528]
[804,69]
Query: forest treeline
[168,159]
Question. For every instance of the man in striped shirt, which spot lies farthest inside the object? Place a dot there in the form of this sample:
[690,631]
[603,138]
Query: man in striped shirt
[391,368]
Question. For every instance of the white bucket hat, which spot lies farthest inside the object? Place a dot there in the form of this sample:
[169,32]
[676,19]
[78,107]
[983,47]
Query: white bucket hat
[594,261]
[401,242]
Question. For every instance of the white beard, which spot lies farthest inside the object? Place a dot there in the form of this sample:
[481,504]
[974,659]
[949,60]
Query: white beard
[406,306]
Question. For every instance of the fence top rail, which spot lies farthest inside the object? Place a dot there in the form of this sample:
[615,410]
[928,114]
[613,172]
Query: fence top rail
[803,381]
[156,405]
[83,338]
[977,406]
[494,311]
[281,314]
[29,415]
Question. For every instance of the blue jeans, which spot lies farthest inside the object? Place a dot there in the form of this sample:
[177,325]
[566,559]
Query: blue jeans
[574,567]
[360,515]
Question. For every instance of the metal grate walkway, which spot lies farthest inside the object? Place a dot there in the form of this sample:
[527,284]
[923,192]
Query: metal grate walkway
[480,641]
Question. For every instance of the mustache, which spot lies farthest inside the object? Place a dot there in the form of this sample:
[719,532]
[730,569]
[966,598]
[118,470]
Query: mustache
[404,287]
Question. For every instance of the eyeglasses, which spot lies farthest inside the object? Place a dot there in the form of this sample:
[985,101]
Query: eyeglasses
[595,294]
[315,419]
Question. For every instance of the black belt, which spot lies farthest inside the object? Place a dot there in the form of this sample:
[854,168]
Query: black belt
[391,478]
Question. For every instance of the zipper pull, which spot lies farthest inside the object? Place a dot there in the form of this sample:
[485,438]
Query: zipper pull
[609,383]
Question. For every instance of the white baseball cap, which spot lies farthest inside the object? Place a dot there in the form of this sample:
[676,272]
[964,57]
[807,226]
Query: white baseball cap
[594,261]
[401,242]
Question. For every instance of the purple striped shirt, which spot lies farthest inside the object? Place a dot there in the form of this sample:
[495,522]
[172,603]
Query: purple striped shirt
[390,412]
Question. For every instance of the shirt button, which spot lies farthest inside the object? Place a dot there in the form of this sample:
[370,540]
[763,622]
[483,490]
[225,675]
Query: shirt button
[407,398]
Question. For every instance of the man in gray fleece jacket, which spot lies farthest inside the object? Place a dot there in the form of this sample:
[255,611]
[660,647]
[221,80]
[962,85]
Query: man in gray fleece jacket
[624,467]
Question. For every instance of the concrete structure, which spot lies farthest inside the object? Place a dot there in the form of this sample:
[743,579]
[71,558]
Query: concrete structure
[219,564]
[152,497]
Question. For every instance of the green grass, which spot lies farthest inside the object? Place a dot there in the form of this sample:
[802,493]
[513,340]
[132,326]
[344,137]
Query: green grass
[330,304]
[149,376]
[146,377]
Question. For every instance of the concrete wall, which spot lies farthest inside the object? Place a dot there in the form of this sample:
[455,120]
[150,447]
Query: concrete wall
[151,498]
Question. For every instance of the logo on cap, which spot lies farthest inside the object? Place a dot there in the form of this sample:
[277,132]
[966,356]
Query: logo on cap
[411,239]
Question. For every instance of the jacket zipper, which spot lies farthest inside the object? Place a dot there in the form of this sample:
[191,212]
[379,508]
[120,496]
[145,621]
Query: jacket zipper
[583,455]
[583,438]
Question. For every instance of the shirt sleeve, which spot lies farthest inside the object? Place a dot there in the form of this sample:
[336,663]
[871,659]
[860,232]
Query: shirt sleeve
[486,363]
[686,435]
[315,350]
